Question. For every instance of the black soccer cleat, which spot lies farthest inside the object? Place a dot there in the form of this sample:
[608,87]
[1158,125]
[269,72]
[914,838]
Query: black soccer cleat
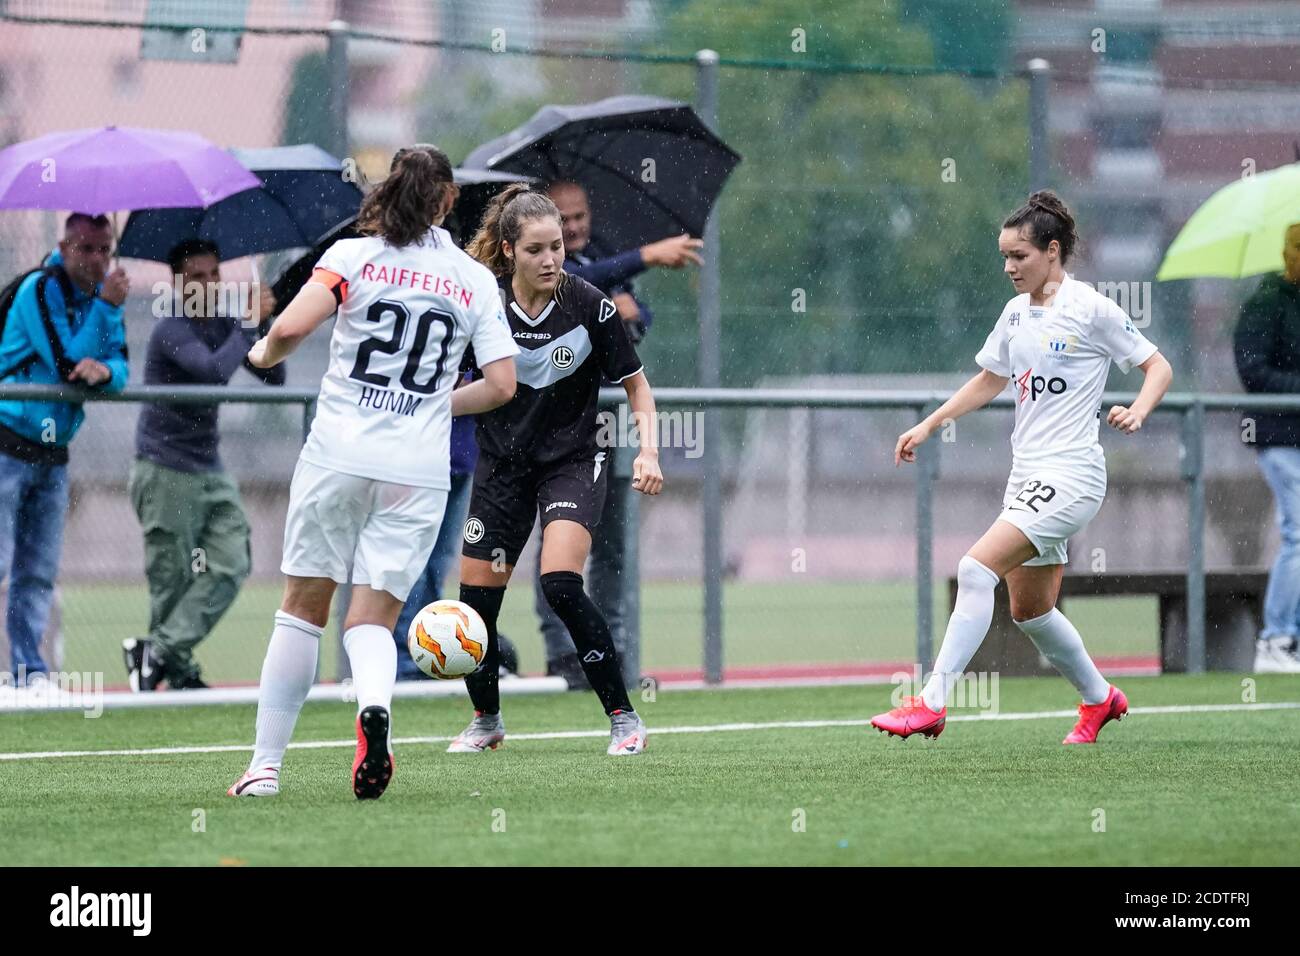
[373,766]
[144,672]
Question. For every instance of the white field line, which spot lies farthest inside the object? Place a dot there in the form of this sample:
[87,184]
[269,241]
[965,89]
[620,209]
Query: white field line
[22,700]
[654,731]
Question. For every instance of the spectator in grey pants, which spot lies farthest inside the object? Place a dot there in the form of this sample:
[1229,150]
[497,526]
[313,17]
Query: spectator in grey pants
[196,537]
[612,274]
[1267,349]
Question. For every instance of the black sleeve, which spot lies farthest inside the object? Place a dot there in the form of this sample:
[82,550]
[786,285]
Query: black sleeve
[276,374]
[1253,346]
[609,338]
[610,271]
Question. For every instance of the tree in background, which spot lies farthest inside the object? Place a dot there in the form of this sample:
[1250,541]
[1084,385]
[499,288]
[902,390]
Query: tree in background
[305,117]
[872,201]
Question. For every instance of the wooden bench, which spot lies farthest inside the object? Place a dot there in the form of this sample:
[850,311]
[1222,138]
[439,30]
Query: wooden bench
[1234,612]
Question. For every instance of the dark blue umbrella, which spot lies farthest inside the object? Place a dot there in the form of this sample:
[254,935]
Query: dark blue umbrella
[303,196]
[650,166]
[477,187]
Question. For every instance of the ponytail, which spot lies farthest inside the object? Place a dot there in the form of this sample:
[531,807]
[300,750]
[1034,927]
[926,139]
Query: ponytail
[418,193]
[503,221]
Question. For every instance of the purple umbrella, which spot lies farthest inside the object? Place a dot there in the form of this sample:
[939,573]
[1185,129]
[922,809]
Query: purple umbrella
[118,167]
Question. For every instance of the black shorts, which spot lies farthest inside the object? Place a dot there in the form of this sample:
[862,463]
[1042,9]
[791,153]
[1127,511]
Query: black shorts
[509,495]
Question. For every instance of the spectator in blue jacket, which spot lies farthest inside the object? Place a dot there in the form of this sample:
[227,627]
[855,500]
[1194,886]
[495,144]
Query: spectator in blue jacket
[64,327]
[613,275]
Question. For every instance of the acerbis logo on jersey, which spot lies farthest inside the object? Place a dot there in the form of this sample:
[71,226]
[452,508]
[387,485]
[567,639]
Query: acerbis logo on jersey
[474,530]
[607,309]
[562,356]
[1031,386]
[560,504]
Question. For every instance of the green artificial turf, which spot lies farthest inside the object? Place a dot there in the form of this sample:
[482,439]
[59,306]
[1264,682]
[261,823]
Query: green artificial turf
[1205,788]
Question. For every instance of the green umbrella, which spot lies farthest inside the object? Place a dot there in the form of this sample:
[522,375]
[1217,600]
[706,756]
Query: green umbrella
[1239,231]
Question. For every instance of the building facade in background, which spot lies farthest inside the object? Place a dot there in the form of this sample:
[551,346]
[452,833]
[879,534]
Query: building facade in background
[1155,106]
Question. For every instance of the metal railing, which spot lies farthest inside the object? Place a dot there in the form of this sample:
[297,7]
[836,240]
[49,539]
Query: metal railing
[1192,409]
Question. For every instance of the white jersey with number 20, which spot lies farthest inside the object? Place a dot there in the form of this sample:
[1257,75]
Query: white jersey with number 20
[405,316]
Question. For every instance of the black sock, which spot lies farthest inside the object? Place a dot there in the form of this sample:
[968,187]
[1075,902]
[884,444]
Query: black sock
[482,684]
[590,633]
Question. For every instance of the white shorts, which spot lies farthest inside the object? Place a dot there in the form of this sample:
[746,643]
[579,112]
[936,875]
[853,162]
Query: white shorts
[359,530]
[1049,502]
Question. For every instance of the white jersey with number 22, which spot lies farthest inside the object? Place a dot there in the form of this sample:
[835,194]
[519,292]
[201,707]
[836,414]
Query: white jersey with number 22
[1057,358]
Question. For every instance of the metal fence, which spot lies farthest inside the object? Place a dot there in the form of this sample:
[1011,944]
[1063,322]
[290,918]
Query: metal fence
[1190,410]
[856,238]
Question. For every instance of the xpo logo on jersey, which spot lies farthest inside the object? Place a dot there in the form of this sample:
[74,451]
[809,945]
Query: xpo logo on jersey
[1031,385]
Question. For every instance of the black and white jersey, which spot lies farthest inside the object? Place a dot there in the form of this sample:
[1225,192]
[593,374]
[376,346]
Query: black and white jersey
[564,353]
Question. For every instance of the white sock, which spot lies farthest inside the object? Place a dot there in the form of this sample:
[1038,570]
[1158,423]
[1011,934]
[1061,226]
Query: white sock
[967,628]
[1058,640]
[287,675]
[372,652]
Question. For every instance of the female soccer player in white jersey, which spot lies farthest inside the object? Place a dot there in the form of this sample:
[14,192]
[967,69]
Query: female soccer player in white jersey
[371,483]
[540,455]
[1055,340]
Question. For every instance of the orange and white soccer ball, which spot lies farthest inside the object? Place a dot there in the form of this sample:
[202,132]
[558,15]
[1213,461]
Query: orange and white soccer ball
[447,640]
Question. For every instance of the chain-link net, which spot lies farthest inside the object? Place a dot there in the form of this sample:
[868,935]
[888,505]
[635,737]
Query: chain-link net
[857,249]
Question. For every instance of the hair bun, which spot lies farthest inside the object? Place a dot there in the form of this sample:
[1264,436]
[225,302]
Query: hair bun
[1046,200]
[1048,218]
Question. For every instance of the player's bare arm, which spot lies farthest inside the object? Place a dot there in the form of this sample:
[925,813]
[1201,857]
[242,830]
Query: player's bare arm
[301,317]
[646,476]
[1159,373]
[976,393]
[494,389]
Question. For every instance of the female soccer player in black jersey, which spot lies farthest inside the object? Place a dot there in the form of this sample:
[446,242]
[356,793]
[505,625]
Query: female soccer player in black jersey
[540,454]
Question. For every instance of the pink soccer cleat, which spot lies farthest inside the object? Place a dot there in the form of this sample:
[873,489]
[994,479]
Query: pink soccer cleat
[1092,717]
[912,717]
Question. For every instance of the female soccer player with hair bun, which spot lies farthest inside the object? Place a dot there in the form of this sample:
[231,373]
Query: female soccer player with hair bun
[539,455]
[371,483]
[1055,340]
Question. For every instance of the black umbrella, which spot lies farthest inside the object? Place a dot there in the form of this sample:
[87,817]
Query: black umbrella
[303,196]
[477,187]
[650,166]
